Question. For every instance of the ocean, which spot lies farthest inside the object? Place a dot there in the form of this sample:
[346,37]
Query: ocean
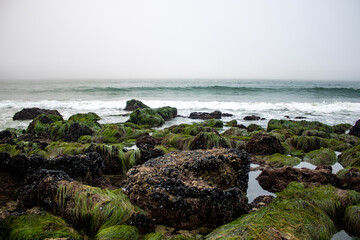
[330,102]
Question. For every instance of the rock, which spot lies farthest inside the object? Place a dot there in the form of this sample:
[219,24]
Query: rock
[306,143]
[40,126]
[133,104]
[31,113]
[251,118]
[275,180]
[152,117]
[260,201]
[254,127]
[208,140]
[6,137]
[350,178]
[147,141]
[226,115]
[264,145]
[205,115]
[189,189]
[297,127]
[350,157]
[322,156]
[147,153]
[296,213]
[355,130]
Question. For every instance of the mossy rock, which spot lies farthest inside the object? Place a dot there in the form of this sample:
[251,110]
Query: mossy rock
[341,128]
[322,156]
[337,145]
[315,133]
[72,130]
[134,104]
[160,133]
[40,126]
[178,141]
[146,116]
[352,220]
[280,160]
[215,123]
[298,127]
[306,143]
[115,133]
[12,149]
[208,140]
[164,236]
[254,127]
[37,226]
[191,129]
[296,213]
[342,173]
[165,149]
[92,209]
[85,117]
[119,232]
[167,112]
[232,123]
[346,138]
[350,157]
[235,131]
[281,134]
[65,148]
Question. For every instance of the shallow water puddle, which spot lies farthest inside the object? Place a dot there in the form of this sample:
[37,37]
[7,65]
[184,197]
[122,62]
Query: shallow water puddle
[254,189]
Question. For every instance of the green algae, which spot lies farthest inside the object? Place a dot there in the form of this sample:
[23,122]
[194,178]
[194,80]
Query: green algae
[178,141]
[10,148]
[232,123]
[214,123]
[315,133]
[322,156]
[163,236]
[282,134]
[235,132]
[208,140]
[160,133]
[115,133]
[352,220]
[255,128]
[92,209]
[119,232]
[40,126]
[165,149]
[85,117]
[306,143]
[298,127]
[65,148]
[343,172]
[147,117]
[350,157]
[37,226]
[280,160]
[296,213]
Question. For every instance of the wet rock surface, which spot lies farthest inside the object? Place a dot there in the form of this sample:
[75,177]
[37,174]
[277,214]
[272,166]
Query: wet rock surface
[206,115]
[275,180]
[84,166]
[264,145]
[31,113]
[355,130]
[189,189]
[252,118]
[133,104]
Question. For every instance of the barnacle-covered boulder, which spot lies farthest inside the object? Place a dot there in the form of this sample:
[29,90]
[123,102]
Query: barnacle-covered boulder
[189,189]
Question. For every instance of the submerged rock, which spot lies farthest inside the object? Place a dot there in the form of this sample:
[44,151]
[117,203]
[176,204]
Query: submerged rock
[189,189]
[31,113]
[275,180]
[205,115]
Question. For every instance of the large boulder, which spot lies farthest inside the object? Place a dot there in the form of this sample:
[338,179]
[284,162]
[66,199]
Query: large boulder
[31,113]
[205,115]
[189,189]
[275,180]
[133,104]
[262,144]
[152,117]
[355,130]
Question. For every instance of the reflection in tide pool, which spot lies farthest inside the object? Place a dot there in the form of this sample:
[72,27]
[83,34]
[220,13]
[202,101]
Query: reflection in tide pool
[254,188]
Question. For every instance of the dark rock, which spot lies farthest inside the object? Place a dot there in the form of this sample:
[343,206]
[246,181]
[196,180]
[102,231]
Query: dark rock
[300,117]
[355,130]
[264,145]
[351,179]
[275,180]
[189,189]
[75,131]
[260,201]
[85,166]
[6,137]
[133,104]
[251,118]
[226,115]
[205,115]
[31,113]
[148,141]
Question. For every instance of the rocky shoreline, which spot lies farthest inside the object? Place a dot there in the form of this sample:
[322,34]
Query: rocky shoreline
[79,179]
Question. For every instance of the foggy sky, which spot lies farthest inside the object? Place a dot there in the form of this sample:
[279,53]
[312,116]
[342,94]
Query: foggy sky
[115,39]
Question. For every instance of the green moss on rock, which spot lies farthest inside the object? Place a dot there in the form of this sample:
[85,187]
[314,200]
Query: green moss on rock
[146,116]
[298,127]
[322,156]
[40,126]
[215,123]
[119,232]
[65,148]
[306,143]
[37,226]
[352,220]
[350,157]
[85,117]
[280,160]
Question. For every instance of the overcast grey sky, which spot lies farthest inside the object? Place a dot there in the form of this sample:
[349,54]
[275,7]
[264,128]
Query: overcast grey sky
[114,39]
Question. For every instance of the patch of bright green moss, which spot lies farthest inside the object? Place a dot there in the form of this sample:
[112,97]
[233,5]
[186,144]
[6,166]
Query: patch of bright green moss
[118,232]
[280,160]
[10,148]
[350,157]
[37,226]
[65,148]
[298,127]
[215,123]
[322,156]
[352,220]
[306,143]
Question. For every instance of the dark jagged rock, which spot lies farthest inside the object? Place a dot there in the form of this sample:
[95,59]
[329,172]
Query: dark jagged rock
[133,104]
[275,180]
[6,137]
[31,113]
[40,187]
[148,141]
[355,130]
[189,189]
[264,145]
[251,118]
[147,153]
[75,131]
[85,167]
[260,201]
[205,115]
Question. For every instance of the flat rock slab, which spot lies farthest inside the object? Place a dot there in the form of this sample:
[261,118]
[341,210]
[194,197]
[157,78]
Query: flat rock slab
[31,113]
[189,189]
